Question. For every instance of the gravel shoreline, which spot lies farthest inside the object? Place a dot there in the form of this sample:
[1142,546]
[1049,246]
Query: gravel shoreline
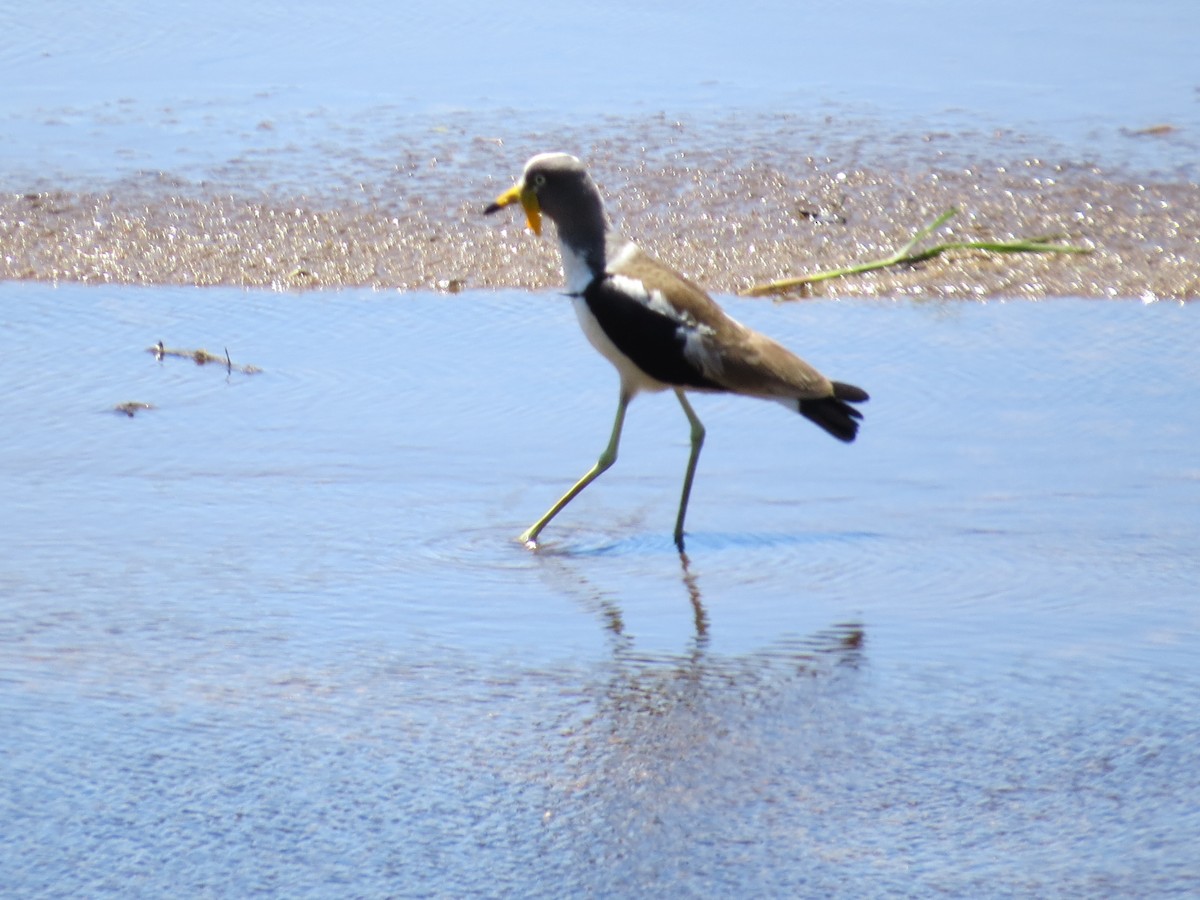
[727,223]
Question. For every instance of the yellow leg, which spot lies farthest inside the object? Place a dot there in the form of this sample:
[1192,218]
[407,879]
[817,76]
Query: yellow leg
[607,458]
[697,443]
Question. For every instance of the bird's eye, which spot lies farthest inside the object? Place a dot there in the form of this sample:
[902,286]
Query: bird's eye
[538,180]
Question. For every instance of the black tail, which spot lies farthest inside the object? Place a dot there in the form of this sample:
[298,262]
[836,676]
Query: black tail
[835,414]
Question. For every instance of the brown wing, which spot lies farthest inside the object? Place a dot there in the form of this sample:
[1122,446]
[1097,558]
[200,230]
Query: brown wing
[734,357]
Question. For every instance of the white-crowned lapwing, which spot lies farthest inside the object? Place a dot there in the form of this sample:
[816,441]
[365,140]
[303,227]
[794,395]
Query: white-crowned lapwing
[659,329]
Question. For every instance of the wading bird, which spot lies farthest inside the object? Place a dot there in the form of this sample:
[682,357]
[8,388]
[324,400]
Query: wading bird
[658,328]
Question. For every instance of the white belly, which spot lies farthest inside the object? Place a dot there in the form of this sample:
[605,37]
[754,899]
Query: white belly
[633,379]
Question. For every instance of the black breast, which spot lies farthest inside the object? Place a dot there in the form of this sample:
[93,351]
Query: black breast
[652,340]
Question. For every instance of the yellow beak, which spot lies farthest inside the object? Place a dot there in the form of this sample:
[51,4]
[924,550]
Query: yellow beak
[528,200]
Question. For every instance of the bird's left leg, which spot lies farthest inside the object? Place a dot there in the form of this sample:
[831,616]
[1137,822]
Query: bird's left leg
[607,458]
[697,443]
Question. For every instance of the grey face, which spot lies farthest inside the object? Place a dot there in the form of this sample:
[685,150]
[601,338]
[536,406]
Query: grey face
[564,190]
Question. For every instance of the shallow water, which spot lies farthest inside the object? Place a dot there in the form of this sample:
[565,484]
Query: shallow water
[276,634]
[301,95]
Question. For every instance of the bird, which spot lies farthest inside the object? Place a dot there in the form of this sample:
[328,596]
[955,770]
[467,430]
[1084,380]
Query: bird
[659,329]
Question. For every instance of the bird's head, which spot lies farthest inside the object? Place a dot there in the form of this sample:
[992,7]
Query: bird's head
[552,183]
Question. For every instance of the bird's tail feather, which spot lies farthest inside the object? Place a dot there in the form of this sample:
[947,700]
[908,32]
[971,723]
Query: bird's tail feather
[835,414]
[849,392]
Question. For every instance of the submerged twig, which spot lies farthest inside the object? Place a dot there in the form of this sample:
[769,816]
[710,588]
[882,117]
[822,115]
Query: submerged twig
[908,255]
[202,357]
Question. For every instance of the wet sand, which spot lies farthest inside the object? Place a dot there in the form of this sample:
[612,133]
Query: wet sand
[729,216]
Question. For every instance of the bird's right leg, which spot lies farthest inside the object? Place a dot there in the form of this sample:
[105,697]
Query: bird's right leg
[607,458]
[693,458]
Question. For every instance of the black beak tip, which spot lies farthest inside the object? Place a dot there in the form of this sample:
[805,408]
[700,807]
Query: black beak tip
[491,208]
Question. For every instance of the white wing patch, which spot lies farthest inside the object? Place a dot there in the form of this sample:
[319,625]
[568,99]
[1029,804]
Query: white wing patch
[652,300]
[625,254]
[699,350]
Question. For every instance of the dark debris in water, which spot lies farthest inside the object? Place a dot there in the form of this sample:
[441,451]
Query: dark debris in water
[1160,130]
[131,408]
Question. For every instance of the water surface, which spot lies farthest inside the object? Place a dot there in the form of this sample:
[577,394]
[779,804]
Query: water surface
[276,634]
[212,91]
